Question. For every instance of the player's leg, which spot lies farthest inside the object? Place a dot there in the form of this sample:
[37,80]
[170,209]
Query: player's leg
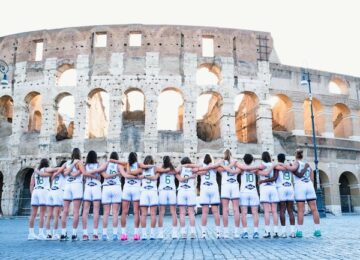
[64,217]
[144,211]
[76,204]
[115,220]
[96,212]
[191,213]
[153,210]
[34,210]
[56,214]
[275,219]
[85,214]
[267,207]
[174,221]
[300,217]
[182,210]
[106,209]
[255,215]
[124,213]
[49,216]
[316,217]
[136,207]
[282,218]
[215,212]
[225,216]
[235,203]
[290,210]
[161,220]
[205,212]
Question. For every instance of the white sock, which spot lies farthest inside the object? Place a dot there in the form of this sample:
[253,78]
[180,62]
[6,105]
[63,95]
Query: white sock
[95,231]
[143,231]
[217,228]
[237,230]
[74,231]
[152,231]
[267,229]
[317,226]
[85,232]
[31,230]
[292,228]
[203,229]
[136,231]
[244,229]
[48,232]
[192,230]
[275,229]
[283,229]
[41,231]
[123,231]
[104,231]
[226,230]
[183,230]
[55,231]
[256,229]
[174,229]
[115,230]
[299,227]
[63,231]
[161,230]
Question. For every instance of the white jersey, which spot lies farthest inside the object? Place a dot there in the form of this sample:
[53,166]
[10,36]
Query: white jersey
[41,182]
[167,182]
[147,184]
[284,179]
[306,177]
[208,179]
[71,179]
[270,175]
[188,184]
[112,169]
[227,177]
[248,182]
[58,182]
[92,181]
[132,182]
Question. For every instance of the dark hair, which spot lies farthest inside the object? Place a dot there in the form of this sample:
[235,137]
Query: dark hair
[75,154]
[207,159]
[61,163]
[91,157]
[132,158]
[148,160]
[248,158]
[281,157]
[114,155]
[167,163]
[266,157]
[43,163]
[299,154]
[185,160]
[227,155]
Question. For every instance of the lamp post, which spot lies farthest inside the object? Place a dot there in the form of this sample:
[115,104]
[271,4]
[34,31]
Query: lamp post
[306,82]
[4,69]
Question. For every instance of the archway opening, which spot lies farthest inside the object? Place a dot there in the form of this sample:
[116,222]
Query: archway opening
[66,75]
[33,101]
[246,105]
[6,115]
[97,114]
[338,86]
[208,115]
[319,118]
[1,190]
[208,74]
[170,110]
[282,115]
[349,192]
[23,192]
[65,113]
[342,125]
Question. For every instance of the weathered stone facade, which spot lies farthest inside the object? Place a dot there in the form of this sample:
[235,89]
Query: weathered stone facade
[169,58]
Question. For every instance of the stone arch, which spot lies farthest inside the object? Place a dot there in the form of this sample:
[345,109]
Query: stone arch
[246,105]
[208,74]
[170,111]
[97,114]
[342,125]
[1,190]
[6,115]
[22,192]
[208,115]
[338,85]
[325,186]
[282,114]
[65,113]
[319,118]
[66,75]
[133,105]
[34,108]
[349,192]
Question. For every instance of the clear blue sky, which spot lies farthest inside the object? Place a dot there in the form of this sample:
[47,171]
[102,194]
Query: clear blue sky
[321,34]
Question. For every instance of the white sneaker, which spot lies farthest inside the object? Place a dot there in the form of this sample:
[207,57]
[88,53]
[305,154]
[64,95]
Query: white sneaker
[41,237]
[174,235]
[192,236]
[218,235]
[56,237]
[183,236]
[236,235]
[203,235]
[161,235]
[226,235]
[283,235]
[32,237]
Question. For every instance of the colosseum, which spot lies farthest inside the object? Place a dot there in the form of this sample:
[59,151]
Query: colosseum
[106,88]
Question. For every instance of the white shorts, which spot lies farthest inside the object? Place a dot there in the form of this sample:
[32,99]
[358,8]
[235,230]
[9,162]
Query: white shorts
[39,197]
[285,193]
[209,196]
[304,191]
[231,192]
[149,198]
[73,191]
[111,194]
[186,198]
[92,193]
[249,199]
[268,194]
[55,198]
[131,194]
[167,197]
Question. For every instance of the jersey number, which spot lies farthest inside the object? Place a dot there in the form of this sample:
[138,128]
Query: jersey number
[167,179]
[39,180]
[249,177]
[287,176]
[207,176]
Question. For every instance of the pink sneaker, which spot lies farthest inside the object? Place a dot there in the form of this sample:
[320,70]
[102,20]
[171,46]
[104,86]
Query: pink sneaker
[136,237]
[123,237]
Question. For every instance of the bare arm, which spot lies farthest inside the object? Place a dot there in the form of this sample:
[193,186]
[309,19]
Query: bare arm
[233,171]
[265,172]
[81,169]
[272,179]
[32,183]
[118,162]
[293,168]
[301,174]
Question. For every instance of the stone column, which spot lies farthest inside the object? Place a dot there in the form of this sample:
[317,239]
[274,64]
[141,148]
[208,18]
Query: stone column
[355,121]
[328,122]
[150,134]
[47,126]
[298,112]
[190,134]
[115,120]
[228,128]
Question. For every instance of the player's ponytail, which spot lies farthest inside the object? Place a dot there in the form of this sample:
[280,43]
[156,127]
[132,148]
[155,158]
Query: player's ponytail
[75,155]
[227,155]
[299,154]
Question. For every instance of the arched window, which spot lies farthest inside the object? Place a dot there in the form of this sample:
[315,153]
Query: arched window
[133,105]
[341,121]
[282,116]
[97,114]
[66,75]
[246,105]
[33,101]
[338,86]
[208,74]
[319,118]
[65,113]
[170,110]
[349,191]
[6,108]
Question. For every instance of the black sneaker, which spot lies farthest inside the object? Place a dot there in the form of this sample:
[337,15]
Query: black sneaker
[48,237]
[276,235]
[74,238]
[267,235]
[64,237]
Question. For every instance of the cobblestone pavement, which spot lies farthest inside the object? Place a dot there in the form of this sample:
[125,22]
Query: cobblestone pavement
[340,240]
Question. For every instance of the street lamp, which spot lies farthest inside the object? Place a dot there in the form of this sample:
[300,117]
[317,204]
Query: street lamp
[4,69]
[306,82]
